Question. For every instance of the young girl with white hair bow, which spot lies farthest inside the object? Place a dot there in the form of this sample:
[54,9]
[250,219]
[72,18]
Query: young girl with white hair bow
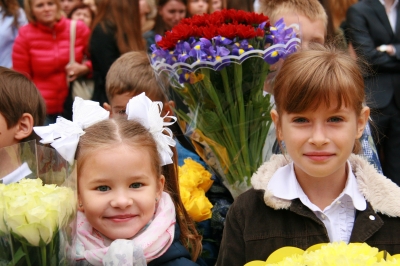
[125,217]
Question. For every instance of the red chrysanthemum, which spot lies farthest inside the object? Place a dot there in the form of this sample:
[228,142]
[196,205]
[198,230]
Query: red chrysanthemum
[227,31]
[245,31]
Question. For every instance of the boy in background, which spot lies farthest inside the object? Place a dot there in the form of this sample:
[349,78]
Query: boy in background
[22,107]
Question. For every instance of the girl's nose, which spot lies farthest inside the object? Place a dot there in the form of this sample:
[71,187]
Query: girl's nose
[121,201]
[318,135]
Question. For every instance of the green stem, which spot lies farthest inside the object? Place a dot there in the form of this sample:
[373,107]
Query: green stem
[229,134]
[228,94]
[242,120]
[43,253]
[25,249]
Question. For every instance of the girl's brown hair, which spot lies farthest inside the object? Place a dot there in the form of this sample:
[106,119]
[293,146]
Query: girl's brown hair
[82,6]
[110,132]
[319,76]
[123,16]
[10,8]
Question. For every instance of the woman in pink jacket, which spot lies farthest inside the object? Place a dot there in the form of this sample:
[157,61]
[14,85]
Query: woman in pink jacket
[41,51]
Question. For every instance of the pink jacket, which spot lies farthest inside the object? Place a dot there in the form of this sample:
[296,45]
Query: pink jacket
[42,54]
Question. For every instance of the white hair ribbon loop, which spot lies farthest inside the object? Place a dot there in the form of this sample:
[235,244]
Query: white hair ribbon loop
[64,134]
[147,112]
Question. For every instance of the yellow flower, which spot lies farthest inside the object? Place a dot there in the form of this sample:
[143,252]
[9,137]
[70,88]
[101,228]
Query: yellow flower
[193,174]
[194,181]
[332,254]
[199,207]
[36,212]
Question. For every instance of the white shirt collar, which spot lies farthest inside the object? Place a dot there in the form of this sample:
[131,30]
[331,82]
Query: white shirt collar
[283,184]
[394,3]
[15,176]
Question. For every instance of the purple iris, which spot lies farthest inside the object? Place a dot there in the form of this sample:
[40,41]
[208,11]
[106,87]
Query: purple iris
[198,49]
[182,51]
[240,48]
[221,41]
[281,34]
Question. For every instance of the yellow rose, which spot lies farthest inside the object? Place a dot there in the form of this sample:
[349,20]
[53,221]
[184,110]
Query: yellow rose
[194,174]
[35,212]
[199,207]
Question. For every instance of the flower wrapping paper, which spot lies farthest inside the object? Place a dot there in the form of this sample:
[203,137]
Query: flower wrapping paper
[37,206]
[217,64]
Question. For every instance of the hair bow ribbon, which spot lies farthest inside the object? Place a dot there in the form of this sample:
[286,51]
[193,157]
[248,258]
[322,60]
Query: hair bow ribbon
[147,112]
[64,134]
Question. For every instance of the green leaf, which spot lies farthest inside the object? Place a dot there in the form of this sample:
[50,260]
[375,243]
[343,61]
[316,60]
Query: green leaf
[17,256]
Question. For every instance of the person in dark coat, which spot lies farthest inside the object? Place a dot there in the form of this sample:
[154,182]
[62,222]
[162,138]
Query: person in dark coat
[374,30]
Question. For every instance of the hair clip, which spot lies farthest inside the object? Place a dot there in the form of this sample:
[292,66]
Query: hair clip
[147,112]
[64,134]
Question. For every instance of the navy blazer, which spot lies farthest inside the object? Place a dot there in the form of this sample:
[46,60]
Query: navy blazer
[369,27]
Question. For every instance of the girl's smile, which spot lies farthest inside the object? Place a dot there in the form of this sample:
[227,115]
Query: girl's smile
[118,189]
[319,156]
[320,141]
[121,218]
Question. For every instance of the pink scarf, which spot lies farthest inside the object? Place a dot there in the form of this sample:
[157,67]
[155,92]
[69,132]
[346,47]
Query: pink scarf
[146,246]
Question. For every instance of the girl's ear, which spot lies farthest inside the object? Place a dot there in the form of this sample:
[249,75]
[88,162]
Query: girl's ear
[362,121]
[80,204]
[160,185]
[275,119]
[24,127]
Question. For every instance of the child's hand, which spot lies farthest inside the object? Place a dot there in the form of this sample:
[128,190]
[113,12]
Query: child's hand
[76,70]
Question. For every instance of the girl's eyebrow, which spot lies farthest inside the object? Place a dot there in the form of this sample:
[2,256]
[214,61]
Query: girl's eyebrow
[108,179]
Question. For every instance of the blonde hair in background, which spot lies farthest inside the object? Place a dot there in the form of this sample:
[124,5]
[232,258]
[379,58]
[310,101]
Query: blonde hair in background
[111,132]
[133,73]
[312,9]
[29,13]
[316,76]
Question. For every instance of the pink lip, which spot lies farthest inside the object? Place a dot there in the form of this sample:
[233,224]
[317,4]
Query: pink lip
[121,218]
[319,156]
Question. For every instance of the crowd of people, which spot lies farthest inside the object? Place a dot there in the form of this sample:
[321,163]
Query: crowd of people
[323,96]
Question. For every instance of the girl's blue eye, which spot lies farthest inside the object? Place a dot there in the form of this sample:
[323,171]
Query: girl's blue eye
[103,188]
[136,185]
[335,119]
[300,120]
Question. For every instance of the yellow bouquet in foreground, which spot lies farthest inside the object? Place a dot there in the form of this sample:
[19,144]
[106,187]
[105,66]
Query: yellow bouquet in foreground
[32,217]
[194,182]
[332,254]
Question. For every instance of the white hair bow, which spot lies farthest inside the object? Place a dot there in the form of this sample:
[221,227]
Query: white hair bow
[64,134]
[147,112]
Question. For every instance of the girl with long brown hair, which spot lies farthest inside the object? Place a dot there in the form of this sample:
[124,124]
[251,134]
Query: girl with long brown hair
[116,30]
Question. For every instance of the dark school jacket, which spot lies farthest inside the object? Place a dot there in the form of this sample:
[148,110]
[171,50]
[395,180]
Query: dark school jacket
[259,223]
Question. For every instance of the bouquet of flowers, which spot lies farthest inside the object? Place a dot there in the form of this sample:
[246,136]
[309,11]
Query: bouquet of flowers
[217,64]
[35,218]
[337,253]
[194,182]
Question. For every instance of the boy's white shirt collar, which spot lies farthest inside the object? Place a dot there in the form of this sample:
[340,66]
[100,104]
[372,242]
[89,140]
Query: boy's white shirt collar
[18,174]
[284,185]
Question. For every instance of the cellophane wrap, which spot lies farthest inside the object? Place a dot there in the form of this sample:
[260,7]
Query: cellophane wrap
[216,66]
[37,206]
